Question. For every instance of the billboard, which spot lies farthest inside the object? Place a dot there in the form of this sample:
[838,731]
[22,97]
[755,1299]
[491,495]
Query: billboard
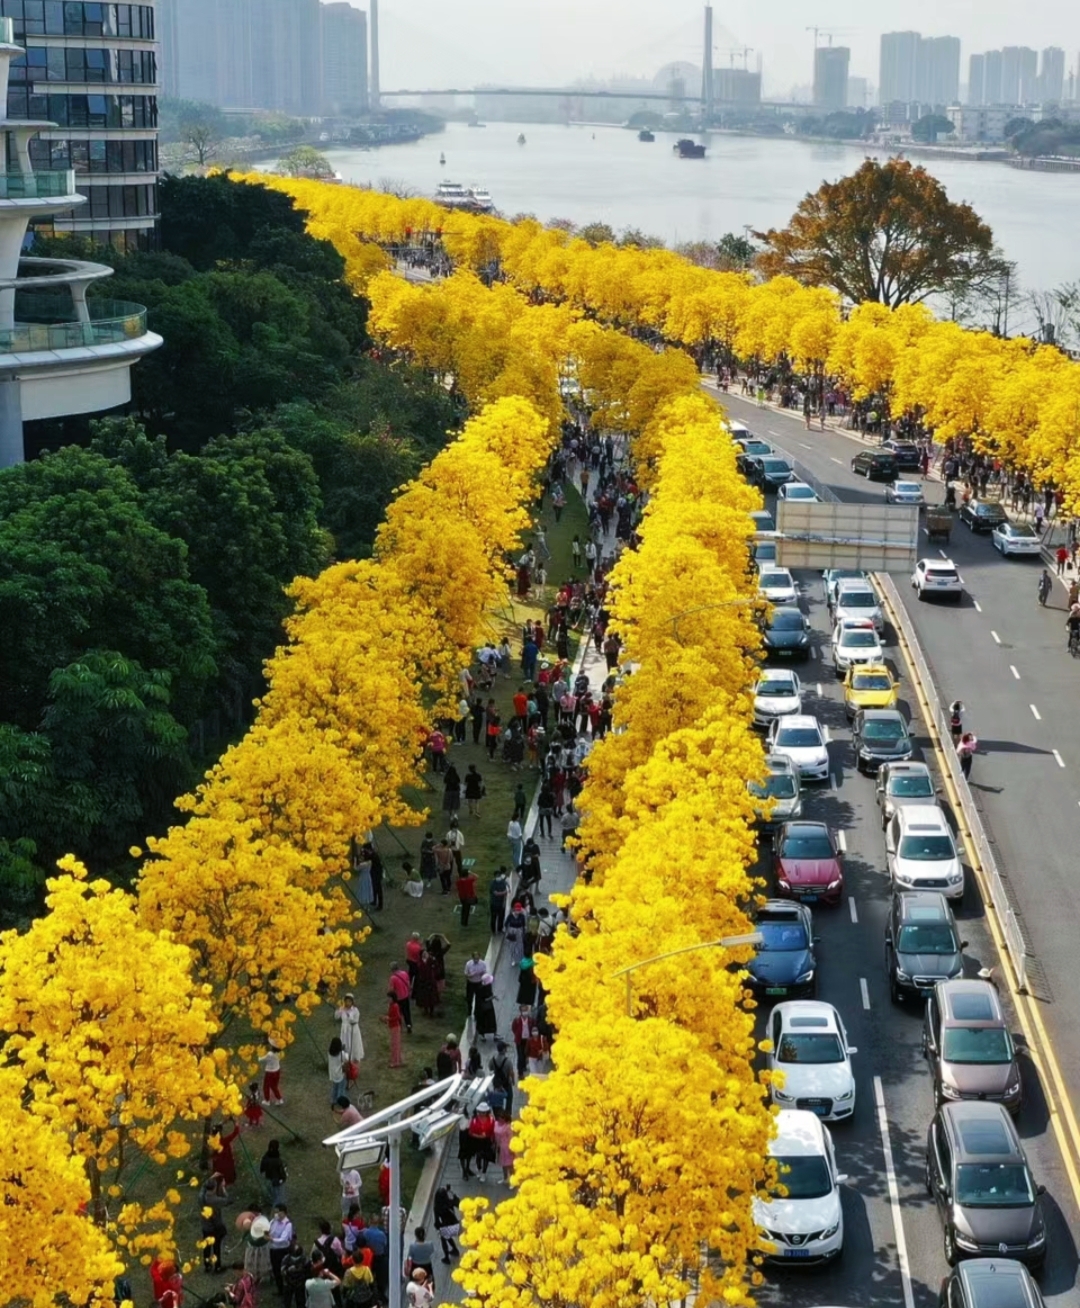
[875,537]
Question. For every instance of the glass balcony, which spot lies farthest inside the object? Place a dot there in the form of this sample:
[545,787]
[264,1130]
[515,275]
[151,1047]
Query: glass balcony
[37,186]
[7,31]
[39,326]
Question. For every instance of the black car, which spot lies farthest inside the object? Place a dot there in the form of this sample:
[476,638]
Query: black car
[876,465]
[763,553]
[982,515]
[771,472]
[880,736]
[784,966]
[921,944]
[787,632]
[906,454]
[990,1283]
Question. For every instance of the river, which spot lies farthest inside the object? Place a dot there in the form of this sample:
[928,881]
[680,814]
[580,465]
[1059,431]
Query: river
[606,174]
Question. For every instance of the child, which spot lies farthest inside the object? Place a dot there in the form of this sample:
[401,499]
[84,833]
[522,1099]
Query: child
[271,1066]
[252,1110]
[393,1023]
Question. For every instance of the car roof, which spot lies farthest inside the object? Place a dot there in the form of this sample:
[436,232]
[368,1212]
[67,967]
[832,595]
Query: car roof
[938,563]
[922,815]
[774,571]
[799,720]
[970,1002]
[907,768]
[859,669]
[983,1130]
[798,1132]
[924,905]
[779,763]
[854,583]
[996,1282]
[802,824]
[818,1015]
[783,910]
[777,674]
[881,715]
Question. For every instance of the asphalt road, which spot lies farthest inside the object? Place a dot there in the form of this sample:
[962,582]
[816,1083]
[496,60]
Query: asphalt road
[851,952]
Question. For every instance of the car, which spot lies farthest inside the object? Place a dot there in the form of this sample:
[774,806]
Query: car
[906,453]
[904,492]
[777,692]
[798,490]
[786,632]
[810,1047]
[803,1222]
[857,599]
[781,786]
[784,966]
[982,515]
[855,641]
[937,577]
[763,551]
[769,472]
[922,946]
[806,863]
[880,736]
[901,784]
[739,431]
[875,465]
[1016,538]
[967,1043]
[980,1179]
[921,853]
[752,452]
[868,686]
[753,446]
[834,576]
[990,1283]
[777,585]
[800,738]
[763,520]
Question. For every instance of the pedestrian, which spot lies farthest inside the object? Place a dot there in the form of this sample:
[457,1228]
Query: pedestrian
[502,1072]
[350,1190]
[461,722]
[474,790]
[393,1022]
[414,948]
[966,748]
[521,803]
[1074,593]
[516,837]
[222,1160]
[527,983]
[421,1253]
[253,1113]
[426,989]
[523,1028]
[466,890]
[437,745]
[569,824]
[213,1200]
[1062,556]
[611,651]
[375,873]
[455,838]
[514,932]
[401,989]
[558,502]
[486,1021]
[504,1156]
[476,713]
[271,1066]
[475,970]
[545,809]
[438,947]
[575,551]
[273,1171]
[294,1274]
[281,1238]
[335,1066]
[358,1288]
[1040,514]
[427,857]
[497,894]
[320,1285]
[482,1131]
[257,1246]
[352,1042]
[444,865]
[418,1292]
[447,1221]
[448,1059]
[451,792]
[529,653]
[956,720]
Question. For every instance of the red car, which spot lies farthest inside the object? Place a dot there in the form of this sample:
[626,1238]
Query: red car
[806,863]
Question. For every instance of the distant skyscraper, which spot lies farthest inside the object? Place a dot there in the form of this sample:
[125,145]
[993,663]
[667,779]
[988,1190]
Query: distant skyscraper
[1052,75]
[736,86]
[899,58]
[831,76]
[992,80]
[344,58]
[977,79]
[939,70]
[1019,73]
[858,92]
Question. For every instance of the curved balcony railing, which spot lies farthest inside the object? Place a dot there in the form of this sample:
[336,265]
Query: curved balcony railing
[7,31]
[37,186]
[38,326]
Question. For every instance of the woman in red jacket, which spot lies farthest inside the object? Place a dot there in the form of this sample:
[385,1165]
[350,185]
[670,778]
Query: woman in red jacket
[482,1135]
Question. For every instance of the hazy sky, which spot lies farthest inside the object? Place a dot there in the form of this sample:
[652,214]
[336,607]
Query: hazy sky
[459,42]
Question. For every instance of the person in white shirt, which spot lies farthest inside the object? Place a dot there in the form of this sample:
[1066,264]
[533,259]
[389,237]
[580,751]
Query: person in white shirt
[350,1189]
[418,1292]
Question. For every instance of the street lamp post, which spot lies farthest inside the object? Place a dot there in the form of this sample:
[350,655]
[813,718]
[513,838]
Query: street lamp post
[725,942]
[746,602]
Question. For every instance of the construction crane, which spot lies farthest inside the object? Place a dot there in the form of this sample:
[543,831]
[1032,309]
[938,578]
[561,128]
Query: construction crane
[820,31]
[740,52]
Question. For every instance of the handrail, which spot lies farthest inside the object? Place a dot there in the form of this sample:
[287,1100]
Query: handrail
[51,185]
[111,322]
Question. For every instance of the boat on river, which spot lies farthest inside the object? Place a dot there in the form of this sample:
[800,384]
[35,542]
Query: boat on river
[645,135]
[456,196]
[685,148]
[521,138]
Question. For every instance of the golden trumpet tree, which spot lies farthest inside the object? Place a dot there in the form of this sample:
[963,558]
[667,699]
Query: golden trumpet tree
[110,1031]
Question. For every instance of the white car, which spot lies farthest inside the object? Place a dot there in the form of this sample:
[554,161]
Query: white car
[800,738]
[798,490]
[778,692]
[937,577]
[834,578]
[857,600]
[904,492]
[777,585]
[1016,538]
[810,1047]
[854,641]
[805,1224]
[921,853]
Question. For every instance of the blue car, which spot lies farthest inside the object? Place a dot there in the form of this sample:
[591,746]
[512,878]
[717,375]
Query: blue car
[784,966]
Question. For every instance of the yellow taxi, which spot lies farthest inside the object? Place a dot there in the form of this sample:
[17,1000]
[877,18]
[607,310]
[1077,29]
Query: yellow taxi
[869,686]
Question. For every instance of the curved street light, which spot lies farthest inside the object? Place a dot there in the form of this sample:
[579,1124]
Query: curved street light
[725,942]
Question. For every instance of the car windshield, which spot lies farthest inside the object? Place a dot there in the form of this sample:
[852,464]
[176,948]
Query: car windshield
[976,1044]
[990,510]
[780,688]
[911,787]
[1021,529]
[993,1185]
[871,681]
[766,550]
[858,639]
[927,938]
[778,786]
[857,599]
[782,936]
[798,737]
[811,845]
[927,849]
[801,493]
[775,465]
[821,1047]
[787,622]
[803,1177]
[908,488]
[883,729]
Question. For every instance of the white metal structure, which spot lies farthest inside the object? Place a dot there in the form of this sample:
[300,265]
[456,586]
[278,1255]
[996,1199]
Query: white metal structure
[60,352]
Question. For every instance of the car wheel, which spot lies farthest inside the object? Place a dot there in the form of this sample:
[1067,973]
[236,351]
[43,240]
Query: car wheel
[950,1247]
[919,592]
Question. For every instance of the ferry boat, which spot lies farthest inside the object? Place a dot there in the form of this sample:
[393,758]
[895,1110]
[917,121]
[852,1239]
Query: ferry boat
[456,196]
[645,135]
[687,149]
[481,198]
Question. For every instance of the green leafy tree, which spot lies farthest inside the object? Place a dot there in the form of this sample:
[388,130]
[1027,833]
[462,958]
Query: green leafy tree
[929,127]
[735,253]
[207,220]
[597,234]
[305,161]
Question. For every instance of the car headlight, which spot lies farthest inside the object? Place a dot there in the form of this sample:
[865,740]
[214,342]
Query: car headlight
[805,979]
[1013,1089]
[1037,1239]
[827,1235]
[842,1099]
[833,884]
[781,1097]
[957,875]
[901,975]
[966,1242]
[950,1092]
[783,883]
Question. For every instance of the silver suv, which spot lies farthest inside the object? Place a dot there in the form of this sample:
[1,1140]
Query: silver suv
[899,784]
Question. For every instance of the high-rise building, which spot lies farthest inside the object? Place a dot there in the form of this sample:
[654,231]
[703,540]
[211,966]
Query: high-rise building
[897,71]
[858,93]
[992,80]
[344,58]
[736,86]
[976,92]
[938,73]
[91,70]
[1052,75]
[1019,75]
[831,76]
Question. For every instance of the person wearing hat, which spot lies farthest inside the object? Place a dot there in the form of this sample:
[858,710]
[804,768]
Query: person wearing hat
[257,1247]
[526,991]
[418,1291]
[486,1022]
[482,1134]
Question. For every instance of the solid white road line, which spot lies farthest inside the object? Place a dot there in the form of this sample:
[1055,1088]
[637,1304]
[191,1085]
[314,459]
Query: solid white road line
[865,993]
[997,638]
[978,606]
[1060,760]
[841,841]
[1014,672]
[943,554]
[819,690]
[826,733]
[894,1195]
[1035,713]
[836,460]
[853,911]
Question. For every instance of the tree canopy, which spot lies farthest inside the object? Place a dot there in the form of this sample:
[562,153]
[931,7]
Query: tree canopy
[887,233]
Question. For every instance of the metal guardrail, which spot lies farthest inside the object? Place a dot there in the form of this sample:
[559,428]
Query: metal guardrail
[1022,959]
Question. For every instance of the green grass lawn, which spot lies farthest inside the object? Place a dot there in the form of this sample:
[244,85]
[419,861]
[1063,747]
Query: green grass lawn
[305,1119]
